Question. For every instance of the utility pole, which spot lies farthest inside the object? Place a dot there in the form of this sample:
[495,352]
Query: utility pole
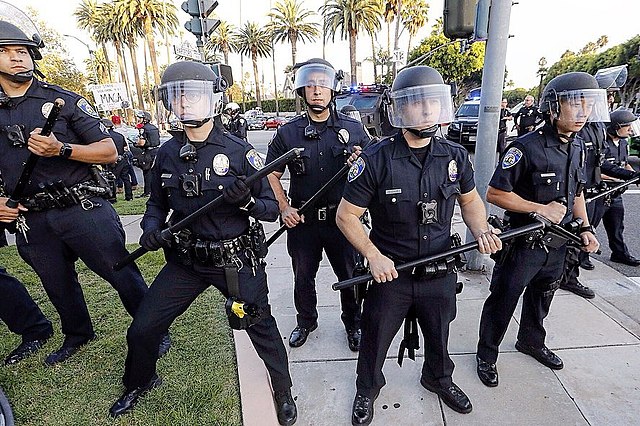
[244,105]
[489,116]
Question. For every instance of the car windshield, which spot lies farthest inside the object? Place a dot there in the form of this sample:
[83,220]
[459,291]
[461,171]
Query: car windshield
[468,110]
[342,101]
[365,102]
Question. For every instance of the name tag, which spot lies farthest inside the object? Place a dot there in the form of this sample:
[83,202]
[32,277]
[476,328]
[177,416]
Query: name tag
[552,174]
[166,175]
[393,191]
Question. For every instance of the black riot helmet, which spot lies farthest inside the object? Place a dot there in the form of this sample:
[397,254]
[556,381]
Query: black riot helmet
[195,85]
[578,88]
[623,117]
[419,101]
[16,29]
[317,72]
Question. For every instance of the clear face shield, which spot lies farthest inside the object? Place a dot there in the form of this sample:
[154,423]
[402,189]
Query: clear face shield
[321,75]
[421,107]
[634,128]
[189,100]
[584,105]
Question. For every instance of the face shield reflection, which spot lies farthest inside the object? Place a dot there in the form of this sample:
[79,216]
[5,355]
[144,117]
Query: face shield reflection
[321,75]
[191,99]
[584,105]
[634,129]
[421,107]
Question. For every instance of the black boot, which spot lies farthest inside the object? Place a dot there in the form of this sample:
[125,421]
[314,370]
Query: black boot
[362,411]
[129,399]
[25,349]
[286,408]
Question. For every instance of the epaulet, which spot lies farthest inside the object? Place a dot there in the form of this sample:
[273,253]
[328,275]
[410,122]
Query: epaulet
[296,118]
[56,88]
[449,143]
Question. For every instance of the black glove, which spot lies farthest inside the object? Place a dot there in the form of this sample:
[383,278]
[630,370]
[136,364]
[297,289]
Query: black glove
[238,193]
[152,240]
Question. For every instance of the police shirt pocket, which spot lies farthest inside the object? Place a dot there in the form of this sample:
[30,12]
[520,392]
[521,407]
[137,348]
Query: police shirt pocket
[170,183]
[398,207]
[339,150]
[547,186]
[450,188]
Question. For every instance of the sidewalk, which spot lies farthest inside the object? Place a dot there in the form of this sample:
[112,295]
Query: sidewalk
[598,340]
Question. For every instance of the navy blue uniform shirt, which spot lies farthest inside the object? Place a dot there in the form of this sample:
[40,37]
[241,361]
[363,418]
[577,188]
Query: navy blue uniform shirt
[528,116]
[389,180]
[593,135]
[323,157]
[118,140]
[537,167]
[221,158]
[617,155]
[78,123]
[151,135]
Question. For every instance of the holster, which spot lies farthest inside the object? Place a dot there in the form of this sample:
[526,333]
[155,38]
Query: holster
[411,340]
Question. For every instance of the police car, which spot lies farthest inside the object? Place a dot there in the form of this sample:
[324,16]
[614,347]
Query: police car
[367,99]
[464,128]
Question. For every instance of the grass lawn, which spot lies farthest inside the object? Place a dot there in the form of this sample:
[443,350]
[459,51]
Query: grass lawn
[199,372]
[135,206]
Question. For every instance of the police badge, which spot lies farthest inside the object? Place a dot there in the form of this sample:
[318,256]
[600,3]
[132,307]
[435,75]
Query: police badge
[343,136]
[221,164]
[453,170]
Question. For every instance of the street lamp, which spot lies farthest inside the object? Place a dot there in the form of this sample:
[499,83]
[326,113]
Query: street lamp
[92,53]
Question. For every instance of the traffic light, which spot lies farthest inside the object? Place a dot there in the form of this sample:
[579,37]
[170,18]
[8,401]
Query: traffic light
[459,18]
[199,24]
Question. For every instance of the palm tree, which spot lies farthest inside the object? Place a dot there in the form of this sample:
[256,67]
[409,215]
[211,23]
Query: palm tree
[89,17]
[131,29]
[349,17]
[254,42]
[414,16]
[222,40]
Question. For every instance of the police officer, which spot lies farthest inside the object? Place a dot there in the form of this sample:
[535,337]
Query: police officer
[505,115]
[62,216]
[23,317]
[541,172]
[410,182]
[119,168]
[527,117]
[221,249]
[148,140]
[328,138]
[623,125]
[235,124]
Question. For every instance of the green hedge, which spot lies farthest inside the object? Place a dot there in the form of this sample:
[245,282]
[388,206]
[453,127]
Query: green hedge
[269,105]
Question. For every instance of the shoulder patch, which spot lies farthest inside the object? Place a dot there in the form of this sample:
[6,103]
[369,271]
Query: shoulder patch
[511,158]
[356,169]
[254,159]
[86,107]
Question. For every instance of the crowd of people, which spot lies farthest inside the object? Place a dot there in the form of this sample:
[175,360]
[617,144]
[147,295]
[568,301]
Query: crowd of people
[409,182]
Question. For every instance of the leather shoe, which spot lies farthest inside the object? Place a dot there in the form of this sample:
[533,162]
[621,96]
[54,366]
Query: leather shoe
[587,265]
[129,399]
[65,352]
[626,260]
[286,408]
[488,373]
[299,335]
[353,338]
[165,345]
[579,289]
[543,355]
[451,395]
[362,411]
[25,349]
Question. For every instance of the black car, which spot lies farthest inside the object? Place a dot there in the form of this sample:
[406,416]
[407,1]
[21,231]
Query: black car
[464,128]
[367,99]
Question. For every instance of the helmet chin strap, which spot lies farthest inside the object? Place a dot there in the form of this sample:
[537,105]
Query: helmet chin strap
[195,123]
[20,77]
[425,133]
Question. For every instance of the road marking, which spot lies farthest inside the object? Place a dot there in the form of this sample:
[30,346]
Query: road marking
[636,280]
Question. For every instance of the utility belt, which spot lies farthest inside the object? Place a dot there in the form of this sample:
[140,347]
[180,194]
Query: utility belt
[56,195]
[321,214]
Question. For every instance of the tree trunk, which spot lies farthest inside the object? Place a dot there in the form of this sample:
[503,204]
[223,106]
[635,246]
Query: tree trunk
[136,75]
[374,60]
[148,29]
[409,47]
[294,51]
[123,76]
[352,56]
[225,53]
[106,58]
[256,78]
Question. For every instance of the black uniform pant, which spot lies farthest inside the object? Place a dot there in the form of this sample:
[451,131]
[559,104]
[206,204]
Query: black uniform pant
[57,238]
[385,307]
[121,172]
[532,271]
[305,244]
[147,181]
[613,221]
[575,257]
[19,311]
[169,296]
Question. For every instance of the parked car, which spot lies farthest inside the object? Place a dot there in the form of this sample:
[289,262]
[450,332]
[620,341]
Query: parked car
[464,128]
[256,123]
[274,122]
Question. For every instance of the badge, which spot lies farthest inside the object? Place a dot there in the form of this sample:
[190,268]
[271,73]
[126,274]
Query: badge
[84,105]
[46,109]
[356,169]
[221,164]
[453,170]
[343,136]
[511,158]
[254,159]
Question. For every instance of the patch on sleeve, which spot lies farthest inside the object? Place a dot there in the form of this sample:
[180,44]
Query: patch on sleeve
[254,159]
[356,169]
[86,107]
[511,158]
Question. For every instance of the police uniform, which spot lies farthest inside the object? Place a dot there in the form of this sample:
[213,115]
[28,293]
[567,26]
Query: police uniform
[540,168]
[190,271]
[527,118]
[151,136]
[326,148]
[121,167]
[63,227]
[390,180]
[502,130]
[238,127]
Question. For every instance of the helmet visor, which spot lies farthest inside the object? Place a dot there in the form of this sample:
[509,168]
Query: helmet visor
[421,107]
[191,99]
[312,75]
[585,105]
[635,128]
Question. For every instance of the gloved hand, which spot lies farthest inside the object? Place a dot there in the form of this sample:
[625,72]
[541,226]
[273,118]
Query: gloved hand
[151,240]
[238,193]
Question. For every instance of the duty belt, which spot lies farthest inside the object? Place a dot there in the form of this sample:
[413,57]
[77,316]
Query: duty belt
[55,195]
[221,253]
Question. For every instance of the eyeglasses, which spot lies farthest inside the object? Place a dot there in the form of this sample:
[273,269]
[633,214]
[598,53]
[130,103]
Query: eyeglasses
[192,96]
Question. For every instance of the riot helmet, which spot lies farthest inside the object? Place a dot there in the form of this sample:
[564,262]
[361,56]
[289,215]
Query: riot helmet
[232,109]
[190,91]
[623,117]
[419,101]
[16,29]
[316,72]
[144,115]
[578,91]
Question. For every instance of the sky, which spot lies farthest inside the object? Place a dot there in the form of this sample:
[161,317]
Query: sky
[537,27]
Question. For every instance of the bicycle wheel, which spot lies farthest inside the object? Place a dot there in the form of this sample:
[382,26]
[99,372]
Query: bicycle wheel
[6,415]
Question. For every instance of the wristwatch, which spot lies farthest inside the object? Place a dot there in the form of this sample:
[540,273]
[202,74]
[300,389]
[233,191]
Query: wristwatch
[588,229]
[249,205]
[65,150]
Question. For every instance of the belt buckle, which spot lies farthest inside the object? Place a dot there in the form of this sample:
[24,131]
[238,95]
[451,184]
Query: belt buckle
[322,213]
